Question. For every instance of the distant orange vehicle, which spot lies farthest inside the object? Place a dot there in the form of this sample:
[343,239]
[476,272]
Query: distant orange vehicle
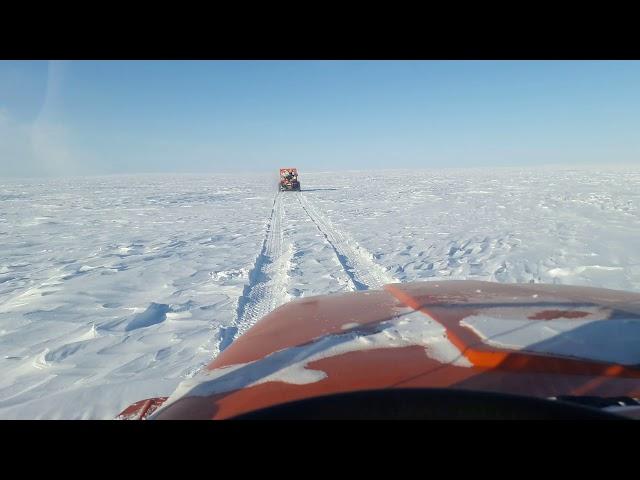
[289,179]
[426,350]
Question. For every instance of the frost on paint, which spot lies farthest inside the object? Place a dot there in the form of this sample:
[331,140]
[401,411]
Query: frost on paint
[290,365]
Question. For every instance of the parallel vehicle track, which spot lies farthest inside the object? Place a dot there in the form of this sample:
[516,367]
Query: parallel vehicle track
[268,278]
[265,289]
[357,262]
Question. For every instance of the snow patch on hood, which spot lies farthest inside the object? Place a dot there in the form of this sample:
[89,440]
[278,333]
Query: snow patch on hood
[594,336]
[291,364]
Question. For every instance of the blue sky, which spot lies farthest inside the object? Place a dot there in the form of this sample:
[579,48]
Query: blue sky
[103,117]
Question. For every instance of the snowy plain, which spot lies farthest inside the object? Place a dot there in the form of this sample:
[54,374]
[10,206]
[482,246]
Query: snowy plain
[115,289]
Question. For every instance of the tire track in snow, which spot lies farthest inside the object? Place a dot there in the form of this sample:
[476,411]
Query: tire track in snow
[356,261]
[268,278]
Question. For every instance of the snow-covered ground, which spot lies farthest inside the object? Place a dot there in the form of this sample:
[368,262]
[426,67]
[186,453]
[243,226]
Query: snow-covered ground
[116,289]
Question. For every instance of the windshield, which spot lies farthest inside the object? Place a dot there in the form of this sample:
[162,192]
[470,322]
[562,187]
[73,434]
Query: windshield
[153,212]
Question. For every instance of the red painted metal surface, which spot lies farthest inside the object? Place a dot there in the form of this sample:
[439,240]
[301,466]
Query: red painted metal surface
[487,368]
[142,409]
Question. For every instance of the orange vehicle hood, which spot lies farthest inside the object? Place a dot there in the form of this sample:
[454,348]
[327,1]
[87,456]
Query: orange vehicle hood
[534,340]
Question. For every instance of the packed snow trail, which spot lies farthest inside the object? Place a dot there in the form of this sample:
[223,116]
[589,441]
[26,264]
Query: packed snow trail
[357,262]
[268,279]
[266,287]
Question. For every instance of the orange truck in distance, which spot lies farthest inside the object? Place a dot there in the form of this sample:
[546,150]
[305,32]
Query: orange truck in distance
[289,179]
